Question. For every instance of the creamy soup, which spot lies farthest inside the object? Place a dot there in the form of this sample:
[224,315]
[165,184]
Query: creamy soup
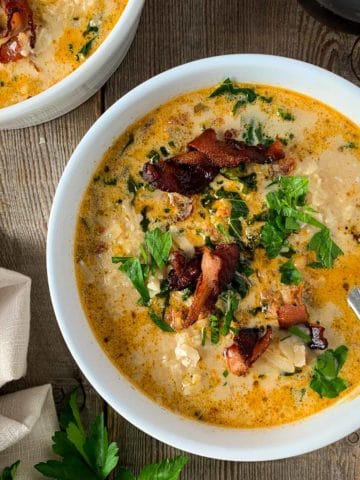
[43,41]
[216,244]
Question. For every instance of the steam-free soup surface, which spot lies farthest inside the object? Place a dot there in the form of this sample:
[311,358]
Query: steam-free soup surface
[185,370]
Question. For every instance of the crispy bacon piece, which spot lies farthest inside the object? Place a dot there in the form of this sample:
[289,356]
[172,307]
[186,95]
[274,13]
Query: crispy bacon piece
[231,152]
[187,174]
[185,272]
[292,314]
[19,27]
[248,346]
[218,267]
[318,341]
[296,313]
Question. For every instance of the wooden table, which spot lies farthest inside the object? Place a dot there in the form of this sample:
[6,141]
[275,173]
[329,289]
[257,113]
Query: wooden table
[171,32]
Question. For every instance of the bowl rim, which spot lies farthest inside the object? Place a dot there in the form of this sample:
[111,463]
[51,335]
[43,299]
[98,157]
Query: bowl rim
[73,79]
[166,426]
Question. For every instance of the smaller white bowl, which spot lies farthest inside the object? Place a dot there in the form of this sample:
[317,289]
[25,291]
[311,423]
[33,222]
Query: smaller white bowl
[83,82]
[200,438]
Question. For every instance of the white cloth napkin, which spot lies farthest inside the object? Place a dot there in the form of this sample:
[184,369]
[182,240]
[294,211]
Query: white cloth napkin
[27,418]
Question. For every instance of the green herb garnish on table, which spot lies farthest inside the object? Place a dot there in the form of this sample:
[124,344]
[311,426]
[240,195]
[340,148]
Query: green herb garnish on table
[89,455]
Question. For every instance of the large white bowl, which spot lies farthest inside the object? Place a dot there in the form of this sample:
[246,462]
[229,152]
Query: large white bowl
[200,438]
[83,82]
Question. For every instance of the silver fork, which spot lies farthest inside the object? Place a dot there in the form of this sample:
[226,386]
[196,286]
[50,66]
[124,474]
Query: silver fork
[354,300]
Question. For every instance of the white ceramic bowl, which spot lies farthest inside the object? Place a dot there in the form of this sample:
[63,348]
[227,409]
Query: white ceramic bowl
[200,438]
[83,82]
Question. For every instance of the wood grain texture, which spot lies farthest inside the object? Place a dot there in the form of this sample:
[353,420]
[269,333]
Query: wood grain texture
[171,32]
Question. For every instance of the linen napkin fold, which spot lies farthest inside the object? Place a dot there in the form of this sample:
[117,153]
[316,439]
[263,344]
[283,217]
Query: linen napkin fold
[28,417]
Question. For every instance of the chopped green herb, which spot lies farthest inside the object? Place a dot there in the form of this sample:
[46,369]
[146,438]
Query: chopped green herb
[144,223]
[231,300]
[85,49]
[298,332]
[92,27]
[242,95]
[153,156]
[325,248]
[97,178]
[239,210]
[262,137]
[172,144]
[203,336]
[325,380]
[244,267]
[129,141]
[159,245]
[348,145]
[254,133]
[290,275]
[164,151]
[224,232]
[164,326]
[214,329]
[208,242]
[240,284]
[136,272]
[236,174]
[286,209]
[132,185]
[285,115]
[266,99]
[110,181]
[225,373]
[166,210]
[187,292]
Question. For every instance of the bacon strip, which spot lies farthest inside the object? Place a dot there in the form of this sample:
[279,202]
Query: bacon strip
[192,171]
[296,313]
[185,272]
[231,152]
[248,346]
[218,267]
[289,315]
[186,174]
[19,26]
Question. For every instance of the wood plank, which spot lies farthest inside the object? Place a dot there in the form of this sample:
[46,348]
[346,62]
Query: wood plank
[31,163]
[172,33]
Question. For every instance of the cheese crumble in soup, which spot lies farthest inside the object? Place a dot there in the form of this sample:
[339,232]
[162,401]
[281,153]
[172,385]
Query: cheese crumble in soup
[43,41]
[215,248]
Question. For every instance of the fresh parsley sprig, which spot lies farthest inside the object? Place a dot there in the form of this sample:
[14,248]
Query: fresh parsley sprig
[290,275]
[325,380]
[90,456]
[287,211]
[9,473]
[155,253]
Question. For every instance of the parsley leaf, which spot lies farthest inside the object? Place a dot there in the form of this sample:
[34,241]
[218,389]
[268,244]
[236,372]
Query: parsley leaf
[214,329]
[325,380]
[91,457]
[242,94]
[287,210]
[84,456]
[159,245]
[249,181]
[299,332]
[164,326]
[239,210]
[10,472]
[290,274]
[232,302]
[136,272]
[166,470]
[325,248]
[285,115]
[144,223]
